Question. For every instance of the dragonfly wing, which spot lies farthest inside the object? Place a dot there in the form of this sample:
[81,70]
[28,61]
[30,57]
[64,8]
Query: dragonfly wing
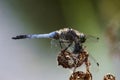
[94,64]
[62,44]
[55,43]
[91,38]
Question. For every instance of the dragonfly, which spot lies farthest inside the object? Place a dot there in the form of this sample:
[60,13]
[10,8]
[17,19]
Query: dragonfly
[68,36]
[65,35]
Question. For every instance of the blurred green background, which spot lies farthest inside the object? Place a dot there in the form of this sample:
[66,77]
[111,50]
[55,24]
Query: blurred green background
[35,59]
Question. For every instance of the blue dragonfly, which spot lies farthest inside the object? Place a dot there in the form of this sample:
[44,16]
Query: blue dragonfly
[68,36]
[65,35]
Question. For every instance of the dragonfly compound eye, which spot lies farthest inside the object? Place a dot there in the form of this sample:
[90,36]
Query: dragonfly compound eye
[82,38]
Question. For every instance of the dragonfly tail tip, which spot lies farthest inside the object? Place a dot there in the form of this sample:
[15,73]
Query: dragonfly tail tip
[19,37]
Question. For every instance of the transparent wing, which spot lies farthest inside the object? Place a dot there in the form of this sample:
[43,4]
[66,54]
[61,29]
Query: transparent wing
[55,43]
[91,38]
[94,64]
[61,44]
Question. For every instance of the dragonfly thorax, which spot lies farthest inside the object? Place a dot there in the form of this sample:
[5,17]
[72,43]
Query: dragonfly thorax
[67,34]
[71,35]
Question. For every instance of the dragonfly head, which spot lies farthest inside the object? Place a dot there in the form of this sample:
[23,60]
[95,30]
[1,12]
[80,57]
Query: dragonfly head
[82,38]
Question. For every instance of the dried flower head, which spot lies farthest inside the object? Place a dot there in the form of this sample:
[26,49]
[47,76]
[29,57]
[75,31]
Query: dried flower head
[109,77]
[70,60]
[79,75]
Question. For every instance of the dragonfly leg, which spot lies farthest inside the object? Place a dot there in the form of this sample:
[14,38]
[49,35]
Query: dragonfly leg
[67,46]
[63,42]
[60,44]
